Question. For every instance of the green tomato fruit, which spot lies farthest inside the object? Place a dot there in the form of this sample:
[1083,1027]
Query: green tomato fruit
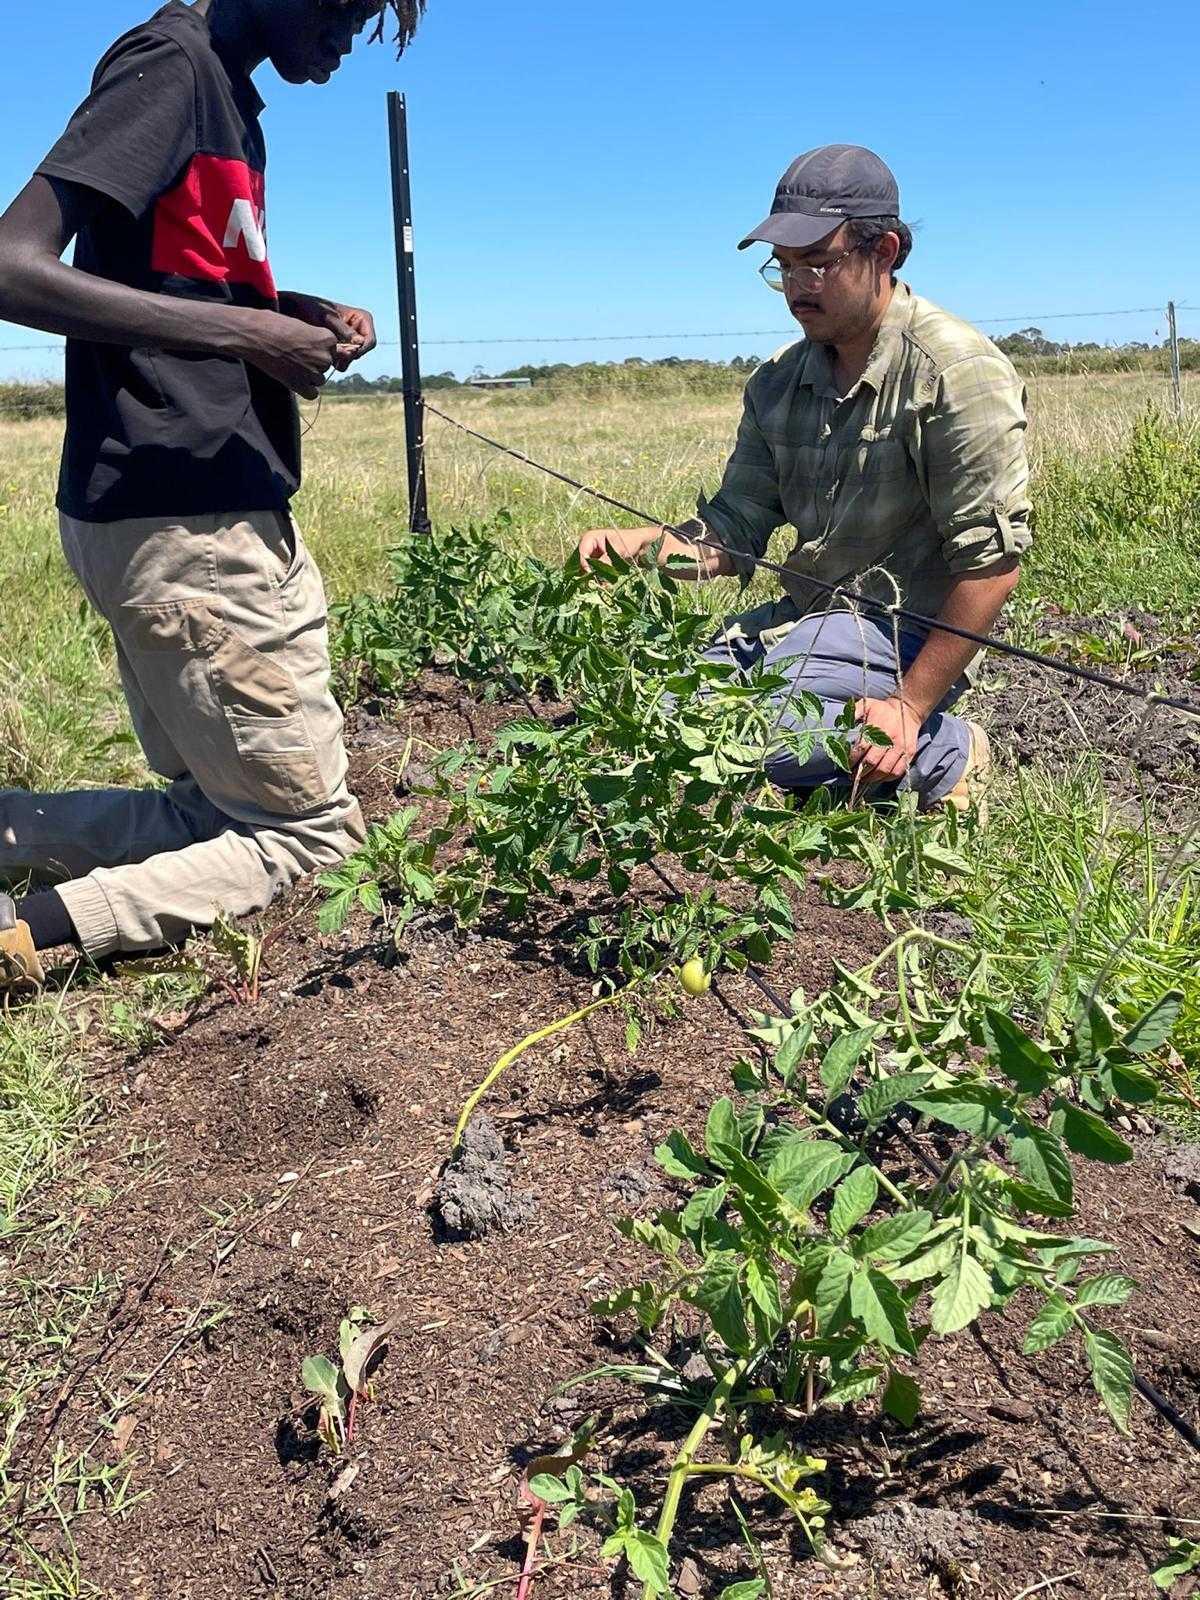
[694,978]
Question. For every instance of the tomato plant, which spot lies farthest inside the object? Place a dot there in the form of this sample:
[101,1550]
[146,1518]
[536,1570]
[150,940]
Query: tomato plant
[819,1275]
[661,758]
[807,1253]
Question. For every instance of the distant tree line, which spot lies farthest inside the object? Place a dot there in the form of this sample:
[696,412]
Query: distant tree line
[1029,348]
[557,373]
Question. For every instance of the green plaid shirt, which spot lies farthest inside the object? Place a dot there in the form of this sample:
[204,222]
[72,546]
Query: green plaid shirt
[919,471]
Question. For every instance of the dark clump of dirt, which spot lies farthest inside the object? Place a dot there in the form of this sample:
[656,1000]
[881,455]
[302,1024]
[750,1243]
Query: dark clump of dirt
[630,1184]
[1181,1163]
[475,1196]
[1034,714]
[939,1538]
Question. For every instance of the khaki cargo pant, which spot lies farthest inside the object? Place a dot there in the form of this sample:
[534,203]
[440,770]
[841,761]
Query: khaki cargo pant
[223,650]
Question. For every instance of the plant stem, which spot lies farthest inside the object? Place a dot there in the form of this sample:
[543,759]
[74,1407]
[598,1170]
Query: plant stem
[898,944]
[847,1143]
[535,1533]
[518,1050]
[727,1469]
[715,1405]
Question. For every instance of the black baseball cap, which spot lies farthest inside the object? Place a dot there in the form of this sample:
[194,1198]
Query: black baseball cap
[821,189]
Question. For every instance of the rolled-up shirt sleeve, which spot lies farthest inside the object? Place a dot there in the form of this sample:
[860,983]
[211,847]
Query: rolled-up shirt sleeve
[974,462]
[746,509]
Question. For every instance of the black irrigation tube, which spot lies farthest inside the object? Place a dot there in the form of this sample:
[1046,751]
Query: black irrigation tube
[1149,1393]
[834,590]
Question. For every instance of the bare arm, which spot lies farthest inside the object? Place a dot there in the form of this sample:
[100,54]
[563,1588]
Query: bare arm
[630,542]
[39,290]
[974,603]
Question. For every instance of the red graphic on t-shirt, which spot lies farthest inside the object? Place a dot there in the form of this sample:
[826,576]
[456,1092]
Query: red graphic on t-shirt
[212,226]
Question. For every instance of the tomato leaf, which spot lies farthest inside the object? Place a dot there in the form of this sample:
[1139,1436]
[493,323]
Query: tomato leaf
[877,1304]
[647,1556]
[1112,1374]
[678,1160]
[1054,1321]
[852,1200]
[719,1295]
[1111,1289]
[1041,1160]
[962,1294]
[1153,1028]
[803,1168]
[978,1108]
[843,1055]
[879,1098]
[902,1399]
[1018,1056]
[1089,1135]
[722,1136]
[892,1238]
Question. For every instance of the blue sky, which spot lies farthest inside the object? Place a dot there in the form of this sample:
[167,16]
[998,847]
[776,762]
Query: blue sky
[588,169]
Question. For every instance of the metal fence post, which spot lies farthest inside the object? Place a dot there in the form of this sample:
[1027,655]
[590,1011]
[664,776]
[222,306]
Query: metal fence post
[406,283]
[1173,334]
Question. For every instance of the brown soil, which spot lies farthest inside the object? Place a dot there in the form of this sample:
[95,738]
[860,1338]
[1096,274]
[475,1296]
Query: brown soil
[278,1161]
[1035,715]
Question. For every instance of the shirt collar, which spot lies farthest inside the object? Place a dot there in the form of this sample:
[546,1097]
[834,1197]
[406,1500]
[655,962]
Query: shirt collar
[895,319]
[816,371]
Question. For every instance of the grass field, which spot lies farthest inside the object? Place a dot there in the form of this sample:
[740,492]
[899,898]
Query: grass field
[61,721]
[1118,504]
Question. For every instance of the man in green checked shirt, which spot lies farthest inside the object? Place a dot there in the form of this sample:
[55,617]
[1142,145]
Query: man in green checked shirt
[892,439]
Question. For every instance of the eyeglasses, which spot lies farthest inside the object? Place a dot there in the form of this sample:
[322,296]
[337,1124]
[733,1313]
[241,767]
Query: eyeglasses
[775,275]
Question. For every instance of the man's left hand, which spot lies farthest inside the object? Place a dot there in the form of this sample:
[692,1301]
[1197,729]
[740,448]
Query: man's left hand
[353,329]
[873,763]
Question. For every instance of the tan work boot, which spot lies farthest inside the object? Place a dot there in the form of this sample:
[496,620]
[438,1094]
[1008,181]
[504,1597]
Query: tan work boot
[20,967]
[971,789]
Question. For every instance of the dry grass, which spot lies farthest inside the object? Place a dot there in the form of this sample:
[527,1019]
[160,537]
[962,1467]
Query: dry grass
[59,705]
[652,452]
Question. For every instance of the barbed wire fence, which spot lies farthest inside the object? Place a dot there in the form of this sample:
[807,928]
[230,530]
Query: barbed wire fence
[1023,320]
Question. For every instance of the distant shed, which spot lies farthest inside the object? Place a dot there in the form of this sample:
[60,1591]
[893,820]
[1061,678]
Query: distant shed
[499,383]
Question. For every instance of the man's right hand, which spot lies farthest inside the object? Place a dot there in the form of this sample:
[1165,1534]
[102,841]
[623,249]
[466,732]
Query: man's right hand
[292,352]
[597,543]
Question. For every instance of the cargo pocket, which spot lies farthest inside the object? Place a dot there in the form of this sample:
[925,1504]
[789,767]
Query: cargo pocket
[234,715]
[262,708]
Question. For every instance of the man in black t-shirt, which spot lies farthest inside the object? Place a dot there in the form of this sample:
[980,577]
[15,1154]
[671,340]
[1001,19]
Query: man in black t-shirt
[180,461]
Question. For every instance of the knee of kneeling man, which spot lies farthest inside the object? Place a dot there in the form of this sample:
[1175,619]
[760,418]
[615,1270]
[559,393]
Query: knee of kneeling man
[354,828]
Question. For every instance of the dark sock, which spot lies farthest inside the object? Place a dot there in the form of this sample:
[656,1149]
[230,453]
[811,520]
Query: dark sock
[48,919]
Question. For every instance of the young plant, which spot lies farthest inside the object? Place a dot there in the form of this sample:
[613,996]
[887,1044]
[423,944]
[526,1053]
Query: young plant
[1184,1559]
[391,860]
[245,950]
[663,757]
[820,1275]
[342,1387]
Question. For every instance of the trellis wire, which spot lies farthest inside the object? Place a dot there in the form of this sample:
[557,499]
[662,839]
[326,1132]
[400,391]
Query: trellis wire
[834,590]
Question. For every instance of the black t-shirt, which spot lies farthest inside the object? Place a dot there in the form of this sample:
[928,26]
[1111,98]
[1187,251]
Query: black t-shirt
[170,137]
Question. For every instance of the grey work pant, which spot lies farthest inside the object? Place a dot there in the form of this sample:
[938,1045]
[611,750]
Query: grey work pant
[223,652]
[840,656]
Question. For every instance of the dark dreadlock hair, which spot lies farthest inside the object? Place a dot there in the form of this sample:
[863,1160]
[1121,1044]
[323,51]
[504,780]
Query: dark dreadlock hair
[407,14]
